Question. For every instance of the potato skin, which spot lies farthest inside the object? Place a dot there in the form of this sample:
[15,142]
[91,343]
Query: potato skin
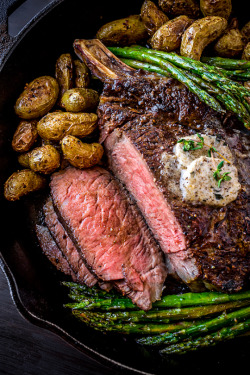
[180,7]
[82,78]
[220,8]
[56,125]
[24,159]
[123,32]
[64,73]
[152,17]
[246,52]
[80,100]
[245,32]
[168,37]
[38,97]
[25,136]
[22,183]
[44,159]
[200,34]
[81,155]
[230,44]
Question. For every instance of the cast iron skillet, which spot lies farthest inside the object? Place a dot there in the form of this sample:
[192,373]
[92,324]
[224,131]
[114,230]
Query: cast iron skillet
[34,283]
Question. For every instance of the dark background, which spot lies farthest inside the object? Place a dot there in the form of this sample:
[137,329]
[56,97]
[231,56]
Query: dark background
[26,349]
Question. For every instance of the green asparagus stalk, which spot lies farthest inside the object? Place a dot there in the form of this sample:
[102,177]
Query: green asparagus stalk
[132,328]
[164,316]
[179,300]
[228,100]
[144,56]
[229,64]
[224,334]
[197,329]
[207,72]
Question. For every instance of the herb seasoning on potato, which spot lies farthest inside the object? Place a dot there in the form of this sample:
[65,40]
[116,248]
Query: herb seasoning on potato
[123,32]
[64,72]
[80,100]
[81,155]
[200,34]
[82,79]
[230,44]
[175,8]
[54,126]
[152,17]
[221,8]
[38,97]
[22,183]
[168,37]
[25,136]
[44,159]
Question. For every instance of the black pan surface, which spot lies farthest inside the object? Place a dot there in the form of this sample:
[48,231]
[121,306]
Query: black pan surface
[34,283]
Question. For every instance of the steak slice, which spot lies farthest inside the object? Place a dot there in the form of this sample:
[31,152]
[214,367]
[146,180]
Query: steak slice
[83,275]
[52,251]
[141,120]
[108,229]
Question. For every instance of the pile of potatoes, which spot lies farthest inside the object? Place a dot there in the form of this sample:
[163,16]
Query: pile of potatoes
[182,26]
[55,114]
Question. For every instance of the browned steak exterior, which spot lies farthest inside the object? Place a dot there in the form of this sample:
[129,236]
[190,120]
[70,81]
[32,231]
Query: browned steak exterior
[84,276]
[140,119]
[52,251]
[110,232]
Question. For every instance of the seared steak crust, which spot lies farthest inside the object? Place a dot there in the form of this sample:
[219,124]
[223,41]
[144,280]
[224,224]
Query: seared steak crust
[66,245]
[217,238]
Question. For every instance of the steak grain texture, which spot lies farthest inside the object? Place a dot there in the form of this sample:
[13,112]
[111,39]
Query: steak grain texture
[110,232]
[141,118]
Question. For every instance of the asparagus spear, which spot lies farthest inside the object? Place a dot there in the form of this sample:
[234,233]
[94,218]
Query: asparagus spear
[226,333]
[230,64]
[175,300]
[127,328]
[143,55]
[228,100]
[197,329]
[164,316]
[207,72]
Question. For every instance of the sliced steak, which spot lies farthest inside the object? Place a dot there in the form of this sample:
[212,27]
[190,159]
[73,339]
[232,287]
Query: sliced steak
[141,120]
[110,232]
[52,251]
[84,276]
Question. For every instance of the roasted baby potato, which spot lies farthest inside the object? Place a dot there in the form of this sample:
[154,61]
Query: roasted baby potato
[220,8]
[152,17]
[175,8]
[25,136]
[56,125]
[38,97]
[245,32]
[81,74]
[80,100]
[246,52]
[81,155]
[44,159]
[168,37]
[123,32]
[64,73]
[21,183]
[230,44]
[24,159]
[200,34]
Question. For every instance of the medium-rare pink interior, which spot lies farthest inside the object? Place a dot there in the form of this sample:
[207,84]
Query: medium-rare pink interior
[110,232]
[67,246]
[136,176]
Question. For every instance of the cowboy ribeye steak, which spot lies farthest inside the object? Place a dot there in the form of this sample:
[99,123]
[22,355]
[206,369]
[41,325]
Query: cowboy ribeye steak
[141,118]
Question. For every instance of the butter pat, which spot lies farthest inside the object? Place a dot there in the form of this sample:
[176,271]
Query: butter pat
[199,186]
